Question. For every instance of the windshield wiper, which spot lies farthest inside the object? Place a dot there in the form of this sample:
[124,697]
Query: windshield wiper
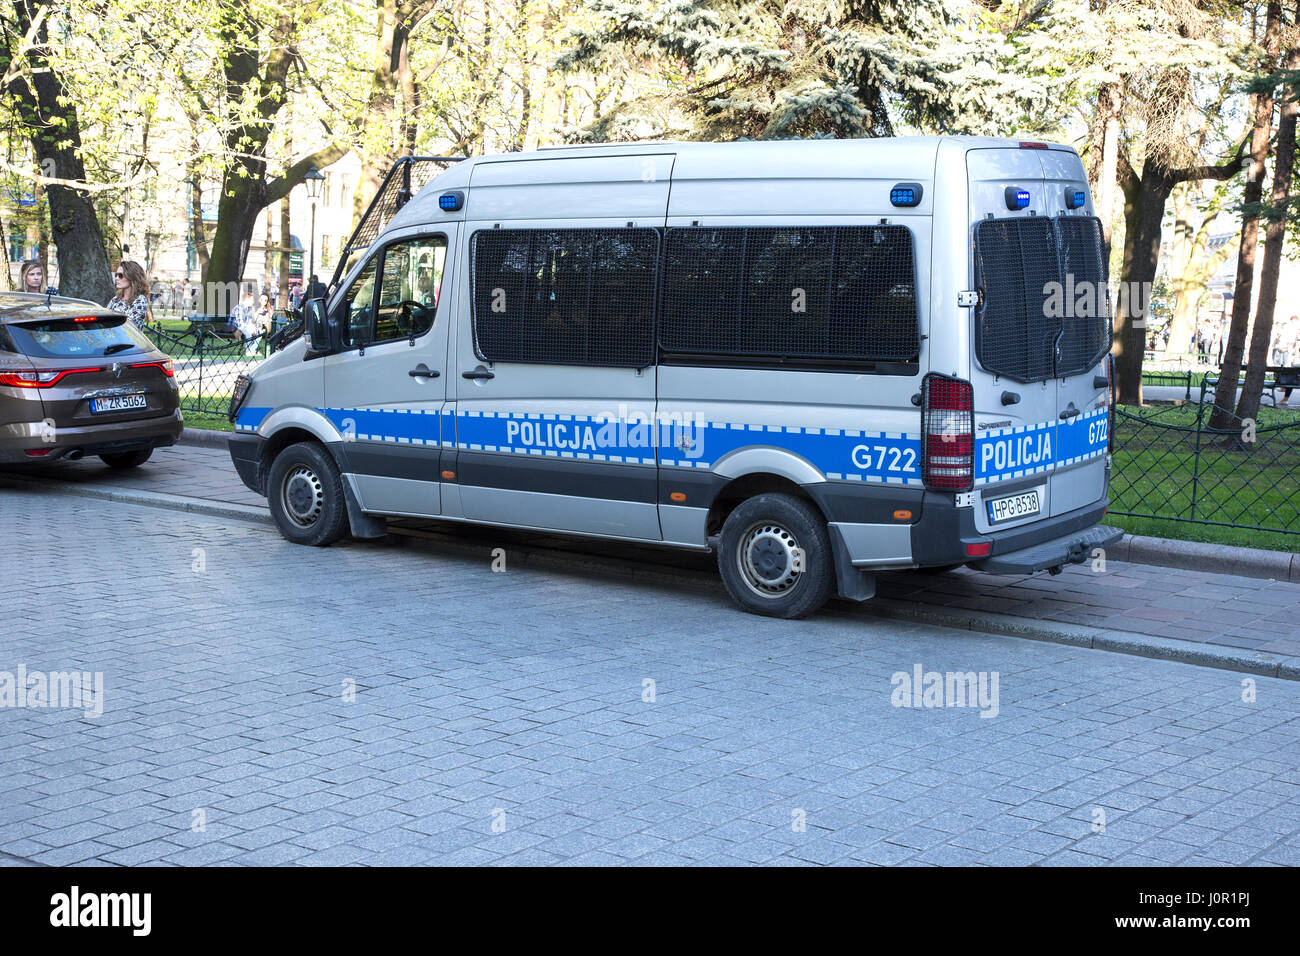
[118,347]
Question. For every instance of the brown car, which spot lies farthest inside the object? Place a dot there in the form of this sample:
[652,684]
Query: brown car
[77,379]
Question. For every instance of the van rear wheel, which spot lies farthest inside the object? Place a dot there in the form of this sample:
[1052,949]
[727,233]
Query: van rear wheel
[305,494]
[774,556]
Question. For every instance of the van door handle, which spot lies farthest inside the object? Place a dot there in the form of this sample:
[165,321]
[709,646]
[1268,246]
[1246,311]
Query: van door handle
[1070,412]
[420,371]
[478,373]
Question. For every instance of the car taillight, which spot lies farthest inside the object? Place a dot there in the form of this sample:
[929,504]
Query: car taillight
[947,433]
[167,367]
[40,378]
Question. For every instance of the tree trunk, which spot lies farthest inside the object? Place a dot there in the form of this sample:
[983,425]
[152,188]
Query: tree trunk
[1103,156]
[1225,395]
[196,223]
[52,123]
[243,184]
[4,244]
[1144,211]
[1275,237]
[285,240]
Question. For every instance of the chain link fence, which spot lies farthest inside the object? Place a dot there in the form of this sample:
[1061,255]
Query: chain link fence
[1169,464]
[208,360]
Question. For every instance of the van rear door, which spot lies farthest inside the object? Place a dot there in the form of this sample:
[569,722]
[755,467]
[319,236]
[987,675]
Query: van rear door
[1039,422]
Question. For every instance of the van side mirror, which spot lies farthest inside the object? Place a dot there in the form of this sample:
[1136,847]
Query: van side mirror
[318,328]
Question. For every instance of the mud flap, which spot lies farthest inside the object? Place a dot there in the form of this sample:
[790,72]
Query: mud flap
[363,526]
[852,584]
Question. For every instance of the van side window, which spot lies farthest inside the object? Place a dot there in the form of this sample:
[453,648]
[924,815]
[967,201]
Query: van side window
[411,280]
[565,296]
[846,294]
[359,306]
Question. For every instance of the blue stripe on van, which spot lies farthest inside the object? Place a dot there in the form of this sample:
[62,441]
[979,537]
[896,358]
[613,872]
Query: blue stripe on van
[1008,453]
[843,455]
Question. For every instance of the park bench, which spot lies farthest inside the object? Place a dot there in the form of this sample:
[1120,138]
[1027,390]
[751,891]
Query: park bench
[210,326]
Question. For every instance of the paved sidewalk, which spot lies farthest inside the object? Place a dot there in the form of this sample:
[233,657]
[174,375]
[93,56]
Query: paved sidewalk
[1202,608]
[422,708]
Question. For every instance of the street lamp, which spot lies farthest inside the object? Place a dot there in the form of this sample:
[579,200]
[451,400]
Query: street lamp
[314,181]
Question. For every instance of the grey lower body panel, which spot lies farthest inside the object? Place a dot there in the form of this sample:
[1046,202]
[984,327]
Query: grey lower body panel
[1074,548]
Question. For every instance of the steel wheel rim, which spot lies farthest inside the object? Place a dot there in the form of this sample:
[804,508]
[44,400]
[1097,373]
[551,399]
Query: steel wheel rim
[302,496]
[766,559]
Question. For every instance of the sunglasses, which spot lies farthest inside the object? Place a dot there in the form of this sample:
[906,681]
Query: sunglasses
[121,275]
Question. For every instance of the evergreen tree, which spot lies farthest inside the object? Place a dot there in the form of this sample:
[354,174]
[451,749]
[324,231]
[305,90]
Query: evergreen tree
[766,69]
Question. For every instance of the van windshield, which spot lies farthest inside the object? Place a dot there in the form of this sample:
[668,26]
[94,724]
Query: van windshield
[78,337]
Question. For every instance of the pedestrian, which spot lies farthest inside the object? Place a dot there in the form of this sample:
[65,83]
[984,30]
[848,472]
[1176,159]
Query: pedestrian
[132,293]
[1286,351]
[315,289]
[243,319]
[265,312]
[32,278]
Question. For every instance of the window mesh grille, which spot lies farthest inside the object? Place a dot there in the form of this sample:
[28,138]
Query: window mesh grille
[823,292]
[565,296]
[1018,329]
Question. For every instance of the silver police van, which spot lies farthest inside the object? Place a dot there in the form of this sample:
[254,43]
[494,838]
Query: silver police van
[818,359]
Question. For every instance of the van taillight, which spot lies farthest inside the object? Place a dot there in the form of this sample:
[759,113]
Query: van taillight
[947,433]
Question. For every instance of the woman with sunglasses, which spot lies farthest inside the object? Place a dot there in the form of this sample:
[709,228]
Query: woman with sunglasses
[132,293]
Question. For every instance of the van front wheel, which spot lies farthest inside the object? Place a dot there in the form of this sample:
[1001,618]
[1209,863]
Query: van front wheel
[305,494]
[775,557]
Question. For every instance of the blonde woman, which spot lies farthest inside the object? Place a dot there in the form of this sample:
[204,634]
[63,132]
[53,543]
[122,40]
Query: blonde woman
[132,293]
[32,277]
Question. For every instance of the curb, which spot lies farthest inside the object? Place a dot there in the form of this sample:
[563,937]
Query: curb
[148,499]
[1082,635]
[1218,558]
[205,437]
[551,559]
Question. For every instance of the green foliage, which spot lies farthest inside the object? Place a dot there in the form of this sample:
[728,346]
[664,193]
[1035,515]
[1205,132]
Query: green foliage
[769,69]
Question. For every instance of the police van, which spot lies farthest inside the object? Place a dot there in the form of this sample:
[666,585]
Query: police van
[819,359]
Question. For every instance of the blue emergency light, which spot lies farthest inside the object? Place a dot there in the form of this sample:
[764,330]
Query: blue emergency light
[1017,198]
[1075,198]
[450,202]
[906,194]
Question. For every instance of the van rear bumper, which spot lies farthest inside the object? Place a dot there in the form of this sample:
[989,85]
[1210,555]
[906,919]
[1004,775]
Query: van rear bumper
[941,536]
[1073,548]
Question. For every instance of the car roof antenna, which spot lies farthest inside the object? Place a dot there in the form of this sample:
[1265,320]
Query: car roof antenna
[49,291]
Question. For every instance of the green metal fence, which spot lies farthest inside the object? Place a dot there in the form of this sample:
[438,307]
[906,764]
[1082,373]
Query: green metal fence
[1170,464]
[207,362]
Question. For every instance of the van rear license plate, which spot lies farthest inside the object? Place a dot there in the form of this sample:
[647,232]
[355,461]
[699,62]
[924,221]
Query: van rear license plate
[1024,505]
[118,403]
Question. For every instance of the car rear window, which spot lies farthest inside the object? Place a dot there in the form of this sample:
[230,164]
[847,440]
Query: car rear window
[78,337]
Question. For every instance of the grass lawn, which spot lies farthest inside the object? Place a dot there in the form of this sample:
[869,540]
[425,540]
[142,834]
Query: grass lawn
[1159,475]
[217,422]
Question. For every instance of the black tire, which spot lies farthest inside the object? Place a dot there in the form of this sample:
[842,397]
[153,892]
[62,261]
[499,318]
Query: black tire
[305,494]
[127,459]
[756,556]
